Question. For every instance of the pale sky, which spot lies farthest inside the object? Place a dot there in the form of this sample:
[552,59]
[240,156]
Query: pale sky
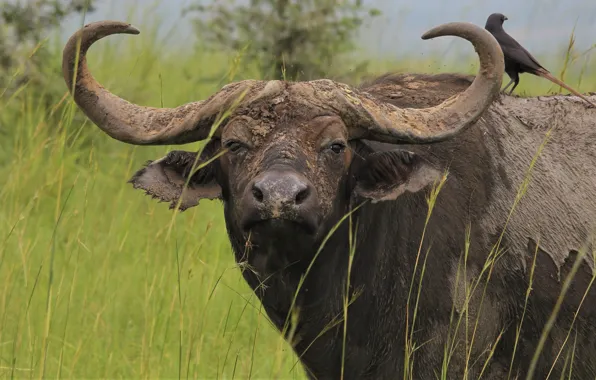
[540,25]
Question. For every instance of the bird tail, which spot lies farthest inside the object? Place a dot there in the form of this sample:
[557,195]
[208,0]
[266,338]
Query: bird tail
[545,74]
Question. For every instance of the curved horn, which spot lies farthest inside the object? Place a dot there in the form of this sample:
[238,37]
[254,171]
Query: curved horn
[376,120]
[129,122]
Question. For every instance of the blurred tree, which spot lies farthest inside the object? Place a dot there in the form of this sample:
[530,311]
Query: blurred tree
[24,25]
[295,39]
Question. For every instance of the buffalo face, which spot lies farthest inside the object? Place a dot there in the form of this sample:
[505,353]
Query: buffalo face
[286,180]
[290,179]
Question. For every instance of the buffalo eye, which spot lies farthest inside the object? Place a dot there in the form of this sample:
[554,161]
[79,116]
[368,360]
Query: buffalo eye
[234,146]
[337,147]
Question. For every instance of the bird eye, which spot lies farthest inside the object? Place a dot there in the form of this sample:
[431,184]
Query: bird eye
[337,147]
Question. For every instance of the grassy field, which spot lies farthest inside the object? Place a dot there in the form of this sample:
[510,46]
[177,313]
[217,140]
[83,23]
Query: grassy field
[98,280]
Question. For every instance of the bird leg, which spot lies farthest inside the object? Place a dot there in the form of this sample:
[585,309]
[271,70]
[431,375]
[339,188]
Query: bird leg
[508,84]
[500,99]
[515,85]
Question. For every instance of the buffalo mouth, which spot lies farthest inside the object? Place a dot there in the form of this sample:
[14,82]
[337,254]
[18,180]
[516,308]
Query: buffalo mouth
[296,226]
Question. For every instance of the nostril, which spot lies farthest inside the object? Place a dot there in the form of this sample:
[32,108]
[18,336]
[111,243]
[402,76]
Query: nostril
[257,194]
[302,195]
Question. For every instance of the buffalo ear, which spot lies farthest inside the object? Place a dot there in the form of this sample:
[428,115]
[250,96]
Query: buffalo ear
[387,175]
[166,177]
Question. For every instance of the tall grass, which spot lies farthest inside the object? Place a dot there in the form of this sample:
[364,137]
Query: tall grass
[98,280]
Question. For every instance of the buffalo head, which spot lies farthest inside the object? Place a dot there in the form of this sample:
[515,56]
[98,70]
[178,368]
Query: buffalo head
[283,156]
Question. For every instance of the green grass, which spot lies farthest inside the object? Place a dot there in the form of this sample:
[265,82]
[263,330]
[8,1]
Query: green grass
[93,283]
[99,280]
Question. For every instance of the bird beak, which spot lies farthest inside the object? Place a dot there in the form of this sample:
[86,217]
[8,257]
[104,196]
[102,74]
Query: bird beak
[506,18]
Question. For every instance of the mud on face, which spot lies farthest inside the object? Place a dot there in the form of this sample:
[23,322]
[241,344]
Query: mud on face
[283,167]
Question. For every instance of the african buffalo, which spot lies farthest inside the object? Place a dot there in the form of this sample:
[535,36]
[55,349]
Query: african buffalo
[327,190]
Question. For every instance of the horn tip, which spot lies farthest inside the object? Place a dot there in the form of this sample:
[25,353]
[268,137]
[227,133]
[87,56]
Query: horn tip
[430,34]
[108,27]
[131,30]
[427,35]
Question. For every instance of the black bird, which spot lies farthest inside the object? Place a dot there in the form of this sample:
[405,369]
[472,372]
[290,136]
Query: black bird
[517,59]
